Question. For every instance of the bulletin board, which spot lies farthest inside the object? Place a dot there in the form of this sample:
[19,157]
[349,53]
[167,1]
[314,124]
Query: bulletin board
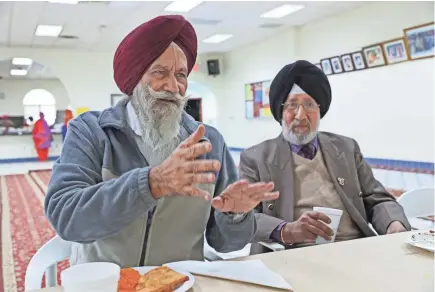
[257,100]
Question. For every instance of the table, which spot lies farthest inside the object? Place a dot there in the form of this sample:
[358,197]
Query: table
[375,264]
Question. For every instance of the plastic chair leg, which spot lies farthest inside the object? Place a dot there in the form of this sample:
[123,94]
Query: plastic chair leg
[51,276]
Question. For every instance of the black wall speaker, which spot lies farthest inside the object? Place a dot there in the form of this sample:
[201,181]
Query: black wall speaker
[213,67]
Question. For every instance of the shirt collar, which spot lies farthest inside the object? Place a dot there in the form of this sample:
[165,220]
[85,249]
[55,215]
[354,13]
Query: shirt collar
[297,148]
[133,120]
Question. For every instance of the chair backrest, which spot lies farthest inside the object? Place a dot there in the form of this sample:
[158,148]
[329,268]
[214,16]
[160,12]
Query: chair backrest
[52,252]
[418,202]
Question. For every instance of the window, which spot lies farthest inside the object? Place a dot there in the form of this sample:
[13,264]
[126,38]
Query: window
[40,100]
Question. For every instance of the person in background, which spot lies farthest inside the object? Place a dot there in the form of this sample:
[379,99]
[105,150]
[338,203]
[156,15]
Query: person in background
[68,116]
[314,169]
[141,183]
[42,137]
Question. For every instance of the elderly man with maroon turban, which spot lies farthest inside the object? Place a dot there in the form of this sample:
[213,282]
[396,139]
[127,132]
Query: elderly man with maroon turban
[142,182]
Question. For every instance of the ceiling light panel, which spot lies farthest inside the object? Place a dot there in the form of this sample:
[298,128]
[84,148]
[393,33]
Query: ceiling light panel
[282,11]
[217,38]
[48,30]
[22,61]
[18,72]
[182,5]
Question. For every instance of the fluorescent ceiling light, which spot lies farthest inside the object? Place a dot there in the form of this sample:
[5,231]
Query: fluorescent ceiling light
[182,5]
[217,38]
[18,72]
[282,11]
[64,2]
[22,61]
[48,30]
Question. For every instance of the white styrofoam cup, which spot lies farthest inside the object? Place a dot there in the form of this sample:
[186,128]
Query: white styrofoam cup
[91,277]
[335,216]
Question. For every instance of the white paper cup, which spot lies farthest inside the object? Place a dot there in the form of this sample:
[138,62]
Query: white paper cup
[335,216]
[91,277]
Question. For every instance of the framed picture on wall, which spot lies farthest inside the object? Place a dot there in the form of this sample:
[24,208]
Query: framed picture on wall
[257,100]
[326,66]
[346,60]
[395,51]
[374,56]
[419,41]
[336,65]
[358,60]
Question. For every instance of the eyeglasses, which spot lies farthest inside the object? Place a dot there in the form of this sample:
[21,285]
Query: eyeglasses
[309,107]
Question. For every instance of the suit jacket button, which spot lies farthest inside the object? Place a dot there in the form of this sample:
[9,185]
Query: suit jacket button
[270,206]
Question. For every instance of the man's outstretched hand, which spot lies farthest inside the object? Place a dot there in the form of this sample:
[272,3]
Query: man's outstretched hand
[242,197]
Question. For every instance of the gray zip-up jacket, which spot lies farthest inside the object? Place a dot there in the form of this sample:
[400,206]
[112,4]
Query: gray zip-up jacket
[99,198]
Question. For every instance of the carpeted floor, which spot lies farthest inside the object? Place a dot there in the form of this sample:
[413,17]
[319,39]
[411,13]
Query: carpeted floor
[24,228]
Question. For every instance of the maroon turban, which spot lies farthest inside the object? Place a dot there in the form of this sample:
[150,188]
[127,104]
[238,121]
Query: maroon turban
[142,46]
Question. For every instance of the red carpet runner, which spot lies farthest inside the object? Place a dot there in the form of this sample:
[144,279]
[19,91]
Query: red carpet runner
[24,228]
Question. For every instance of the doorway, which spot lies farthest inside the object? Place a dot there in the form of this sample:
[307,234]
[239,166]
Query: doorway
[194,108]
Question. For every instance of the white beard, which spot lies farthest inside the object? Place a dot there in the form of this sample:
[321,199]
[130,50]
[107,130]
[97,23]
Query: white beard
[159,120]
[299,138]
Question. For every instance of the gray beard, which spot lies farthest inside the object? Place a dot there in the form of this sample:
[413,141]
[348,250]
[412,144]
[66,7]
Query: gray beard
[298,138]
[159,120]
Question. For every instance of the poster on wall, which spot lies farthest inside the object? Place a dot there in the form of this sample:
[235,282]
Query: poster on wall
[257,100]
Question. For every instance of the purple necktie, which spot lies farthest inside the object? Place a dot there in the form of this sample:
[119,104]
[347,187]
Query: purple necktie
[308,151]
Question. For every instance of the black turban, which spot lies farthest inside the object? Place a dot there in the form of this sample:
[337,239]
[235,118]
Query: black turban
[308,77]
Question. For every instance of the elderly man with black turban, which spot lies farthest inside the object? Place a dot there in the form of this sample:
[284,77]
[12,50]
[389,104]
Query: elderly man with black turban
[314,169]
[141,182]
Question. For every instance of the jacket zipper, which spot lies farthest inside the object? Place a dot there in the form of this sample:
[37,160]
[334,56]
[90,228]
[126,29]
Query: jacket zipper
[145,241]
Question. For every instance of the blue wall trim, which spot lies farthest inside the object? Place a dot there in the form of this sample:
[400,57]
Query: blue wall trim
[26,159]
[390,163]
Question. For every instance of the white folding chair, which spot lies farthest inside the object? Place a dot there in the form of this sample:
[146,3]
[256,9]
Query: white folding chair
[418,203]
[44,261]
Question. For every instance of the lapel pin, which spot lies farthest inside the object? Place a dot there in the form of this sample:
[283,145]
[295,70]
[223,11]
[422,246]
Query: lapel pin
[340,181]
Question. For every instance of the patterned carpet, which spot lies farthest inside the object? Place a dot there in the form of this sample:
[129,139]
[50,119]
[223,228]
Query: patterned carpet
[24,228]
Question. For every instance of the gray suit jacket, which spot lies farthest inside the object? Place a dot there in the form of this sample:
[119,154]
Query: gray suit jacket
[365,199]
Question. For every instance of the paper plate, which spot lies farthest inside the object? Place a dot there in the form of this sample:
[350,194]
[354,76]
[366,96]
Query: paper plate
[183,288]
[424,240]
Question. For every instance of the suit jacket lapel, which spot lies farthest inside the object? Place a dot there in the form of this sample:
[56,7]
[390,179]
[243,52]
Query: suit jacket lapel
[281,172]
[338,168]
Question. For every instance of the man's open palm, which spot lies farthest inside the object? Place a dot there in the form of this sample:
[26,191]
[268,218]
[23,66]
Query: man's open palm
[242,197]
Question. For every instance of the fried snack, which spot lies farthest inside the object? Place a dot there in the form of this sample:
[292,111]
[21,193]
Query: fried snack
[161,279]
[128,280]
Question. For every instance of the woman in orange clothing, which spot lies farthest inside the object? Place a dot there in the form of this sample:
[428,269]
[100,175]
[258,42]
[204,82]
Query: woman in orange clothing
[42,137]
[68,117]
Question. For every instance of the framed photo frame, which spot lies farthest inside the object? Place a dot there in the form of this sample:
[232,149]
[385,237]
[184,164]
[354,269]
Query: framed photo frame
[347,62]
[419,41]
[358,60]
[337,67]
[374,56]
[395,51]
[115,98]
[326,66]
[257,103]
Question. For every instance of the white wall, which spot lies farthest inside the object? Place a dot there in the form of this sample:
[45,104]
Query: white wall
[15,90]
[388,110]
[401,127]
